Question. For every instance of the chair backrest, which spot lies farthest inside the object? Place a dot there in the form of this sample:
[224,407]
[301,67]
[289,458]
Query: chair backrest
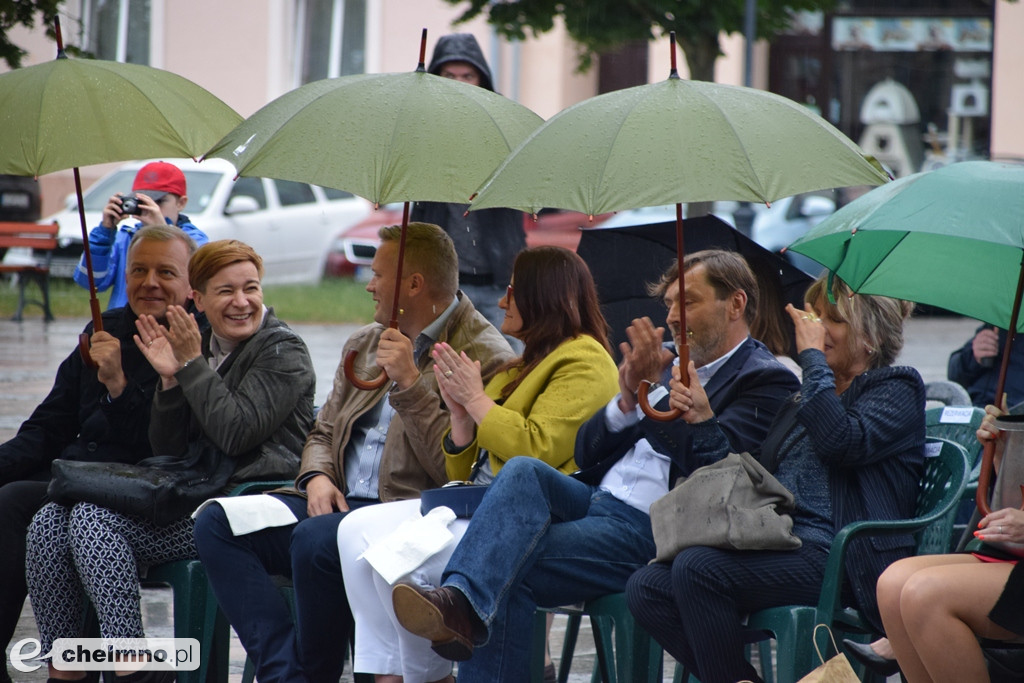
[958,424]
[943,482]
[946,392]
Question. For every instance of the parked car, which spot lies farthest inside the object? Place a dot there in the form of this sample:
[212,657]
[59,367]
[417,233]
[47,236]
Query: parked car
[774,228]
[289,224]
[353,249]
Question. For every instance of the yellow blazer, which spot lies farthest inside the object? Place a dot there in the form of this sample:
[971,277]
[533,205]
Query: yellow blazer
[540,418]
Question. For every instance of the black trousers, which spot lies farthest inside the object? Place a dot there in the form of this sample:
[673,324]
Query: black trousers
[694,606]
[19,502]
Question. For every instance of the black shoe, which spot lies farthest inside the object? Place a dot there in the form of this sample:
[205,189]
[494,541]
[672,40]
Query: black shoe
[864,654]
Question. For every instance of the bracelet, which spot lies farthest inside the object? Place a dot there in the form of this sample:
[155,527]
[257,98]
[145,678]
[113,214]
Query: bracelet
[189,362]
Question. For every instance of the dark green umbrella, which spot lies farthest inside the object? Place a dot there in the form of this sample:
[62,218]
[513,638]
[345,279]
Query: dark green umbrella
[952,238]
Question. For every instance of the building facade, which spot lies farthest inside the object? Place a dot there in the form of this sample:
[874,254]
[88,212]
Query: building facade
[248,52]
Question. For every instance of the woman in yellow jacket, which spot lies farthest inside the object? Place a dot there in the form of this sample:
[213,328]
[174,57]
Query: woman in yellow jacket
[532,407]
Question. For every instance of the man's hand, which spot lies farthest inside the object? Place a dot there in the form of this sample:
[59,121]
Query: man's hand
[643,358]
[323,497]
[690,400]
[105,351]
[394,355]
[985,344]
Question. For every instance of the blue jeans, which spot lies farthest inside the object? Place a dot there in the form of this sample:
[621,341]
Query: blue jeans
[240,570]
[540,538]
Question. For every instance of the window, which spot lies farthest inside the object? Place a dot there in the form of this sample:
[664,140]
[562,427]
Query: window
[249,187]
[117,30]
[332,193]
[290,193]
[331,40]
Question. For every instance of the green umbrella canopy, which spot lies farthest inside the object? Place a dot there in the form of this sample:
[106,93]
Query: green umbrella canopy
[78,112]
[672,142]
[393,137]
[952,238]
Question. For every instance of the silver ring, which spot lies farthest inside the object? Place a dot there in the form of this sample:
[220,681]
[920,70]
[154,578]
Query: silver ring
[448,373]
[1000,528]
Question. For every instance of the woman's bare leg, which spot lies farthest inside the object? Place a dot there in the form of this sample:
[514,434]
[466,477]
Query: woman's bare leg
[889,591]
[945,609]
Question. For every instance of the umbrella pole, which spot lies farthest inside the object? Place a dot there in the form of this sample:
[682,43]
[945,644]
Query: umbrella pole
[94,303]
[350,358]
[683,350]
[987,457]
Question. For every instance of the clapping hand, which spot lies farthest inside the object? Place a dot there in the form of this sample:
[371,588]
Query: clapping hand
[643,359]
[168,348]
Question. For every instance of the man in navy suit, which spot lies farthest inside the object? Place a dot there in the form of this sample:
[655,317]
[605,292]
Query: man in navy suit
[542,538]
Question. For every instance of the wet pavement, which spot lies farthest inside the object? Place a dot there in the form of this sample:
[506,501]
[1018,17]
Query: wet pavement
[30,352]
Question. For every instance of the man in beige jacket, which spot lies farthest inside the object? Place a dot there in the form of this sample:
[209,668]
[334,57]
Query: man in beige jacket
[365,447]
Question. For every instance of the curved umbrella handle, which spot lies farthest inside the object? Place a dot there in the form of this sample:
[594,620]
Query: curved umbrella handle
[365,385]
[645,386]
[985,479]
[83,349]
[649,411]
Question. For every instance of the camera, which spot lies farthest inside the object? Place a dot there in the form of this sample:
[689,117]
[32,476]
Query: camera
[130,205]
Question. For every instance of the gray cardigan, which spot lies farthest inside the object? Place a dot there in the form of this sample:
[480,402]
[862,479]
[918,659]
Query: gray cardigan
[257,407]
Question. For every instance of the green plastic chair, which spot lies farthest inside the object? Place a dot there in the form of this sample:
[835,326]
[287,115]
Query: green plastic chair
[952,423]
[943,482]
[196,612]
[625,653]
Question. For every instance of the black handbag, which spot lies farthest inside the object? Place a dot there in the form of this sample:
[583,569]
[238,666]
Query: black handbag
[161,489]
[462,497]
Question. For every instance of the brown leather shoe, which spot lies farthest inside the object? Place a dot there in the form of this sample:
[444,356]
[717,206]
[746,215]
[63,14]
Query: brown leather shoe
[442,615]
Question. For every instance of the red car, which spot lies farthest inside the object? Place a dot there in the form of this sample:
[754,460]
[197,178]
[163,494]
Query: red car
[352,251]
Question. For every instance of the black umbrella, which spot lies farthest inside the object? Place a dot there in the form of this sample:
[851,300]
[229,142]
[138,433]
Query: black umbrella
[624,260]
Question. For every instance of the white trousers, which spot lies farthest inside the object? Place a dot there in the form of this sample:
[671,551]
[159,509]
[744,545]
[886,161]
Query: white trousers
[382,646]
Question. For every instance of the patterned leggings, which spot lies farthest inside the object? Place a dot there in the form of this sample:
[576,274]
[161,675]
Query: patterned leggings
[87,551]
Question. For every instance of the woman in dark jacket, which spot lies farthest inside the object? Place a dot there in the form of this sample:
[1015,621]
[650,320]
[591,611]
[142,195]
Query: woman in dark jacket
[849,446]
[244,388]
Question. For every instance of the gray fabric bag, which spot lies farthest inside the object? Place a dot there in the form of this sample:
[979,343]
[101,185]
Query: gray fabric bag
[734,503]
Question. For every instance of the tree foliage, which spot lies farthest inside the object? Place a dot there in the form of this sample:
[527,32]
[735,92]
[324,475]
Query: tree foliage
[23,13]
[600,25]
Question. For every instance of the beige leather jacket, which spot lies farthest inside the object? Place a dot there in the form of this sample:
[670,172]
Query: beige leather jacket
[412,459]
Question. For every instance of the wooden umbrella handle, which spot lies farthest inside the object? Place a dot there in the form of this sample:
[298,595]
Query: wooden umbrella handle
[365,385]
[645,387]
[651,412]
[985,479]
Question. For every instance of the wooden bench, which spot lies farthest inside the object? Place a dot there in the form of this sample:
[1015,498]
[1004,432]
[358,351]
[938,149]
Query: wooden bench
[42,238]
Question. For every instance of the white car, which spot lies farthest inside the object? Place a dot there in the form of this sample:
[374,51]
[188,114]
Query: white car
[289,224]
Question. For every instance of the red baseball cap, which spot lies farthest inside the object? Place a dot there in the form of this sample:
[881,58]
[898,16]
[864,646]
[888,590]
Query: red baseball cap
[160,176]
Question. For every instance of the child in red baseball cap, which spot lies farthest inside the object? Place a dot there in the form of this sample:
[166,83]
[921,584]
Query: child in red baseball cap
[158,196]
